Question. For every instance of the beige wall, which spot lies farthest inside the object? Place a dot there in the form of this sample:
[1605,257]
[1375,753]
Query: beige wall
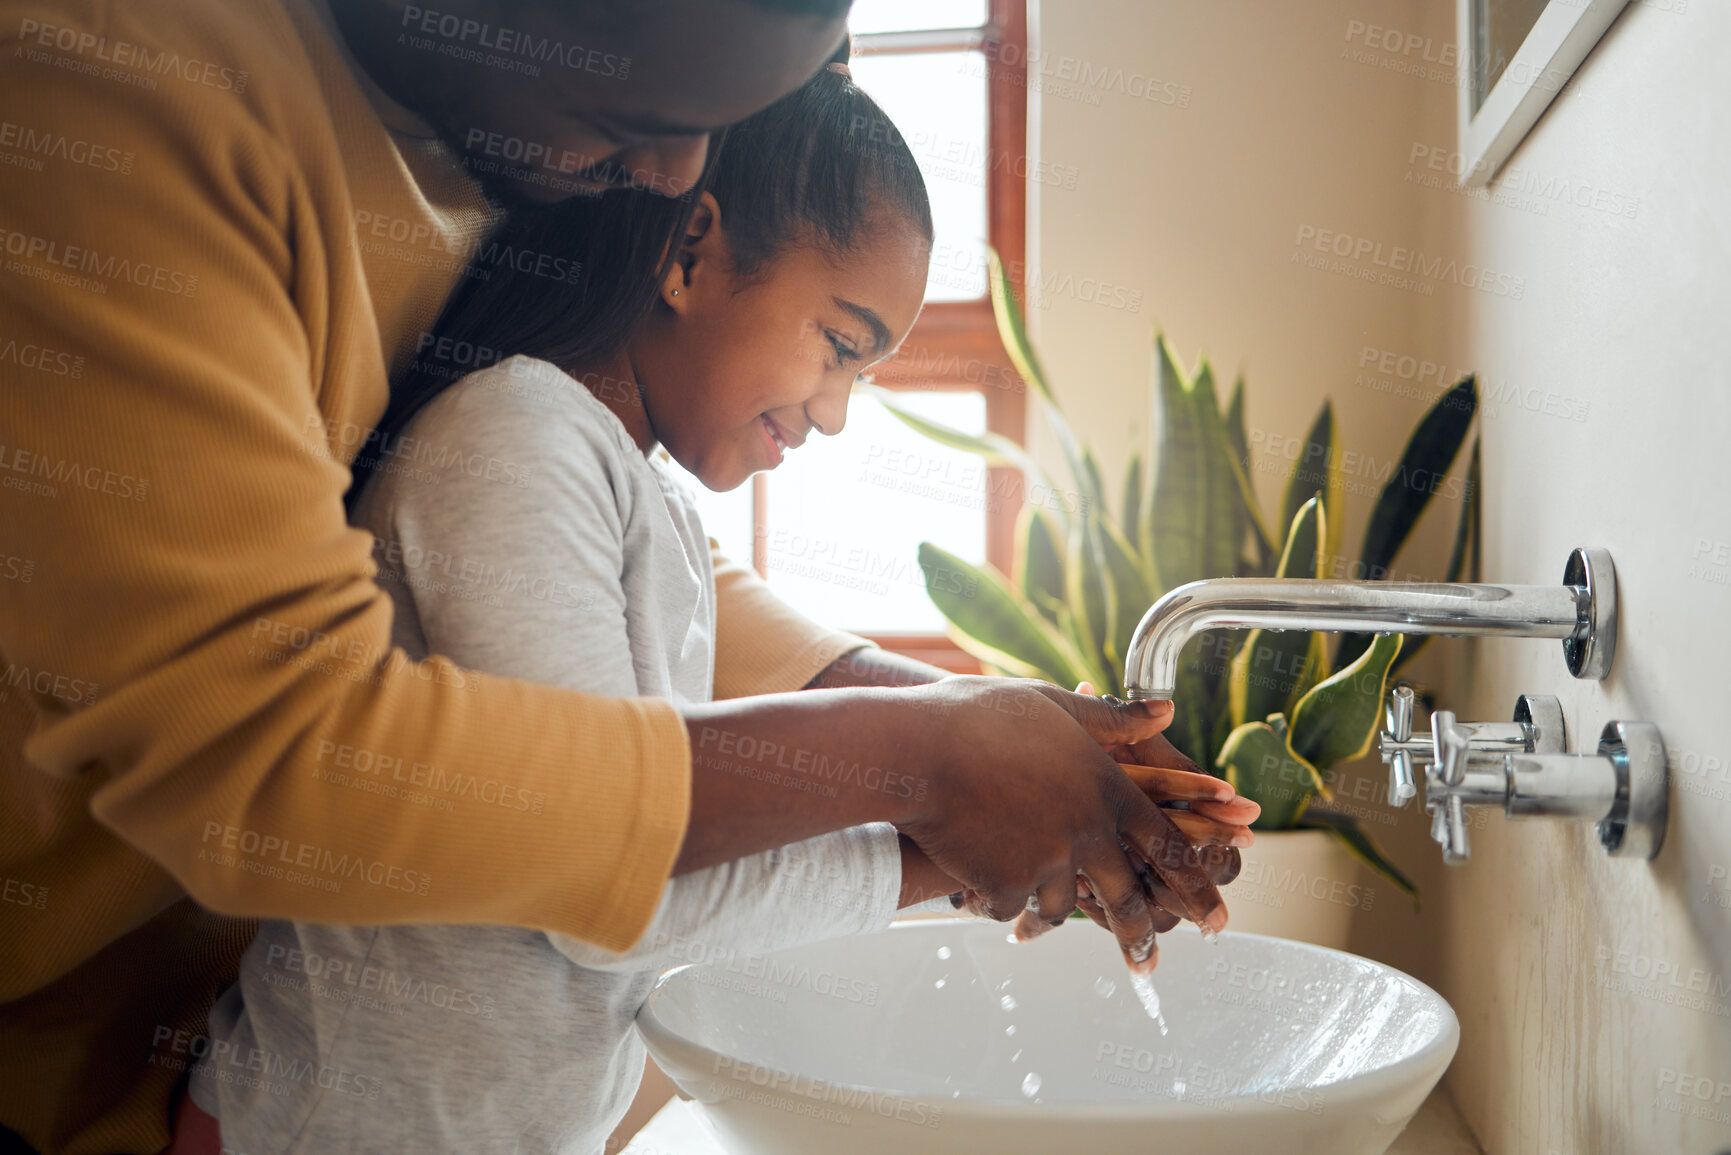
[1548,948]
[1601,349]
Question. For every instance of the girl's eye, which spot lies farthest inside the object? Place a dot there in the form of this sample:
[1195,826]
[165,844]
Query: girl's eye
[844,352]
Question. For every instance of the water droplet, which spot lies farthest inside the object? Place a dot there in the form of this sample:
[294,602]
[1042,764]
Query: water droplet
[1030,1084]
[944,952]
[1210,936]
[939,985]
[1017,1055]
[1008,1002]
[1011,937]
[955,1094]
[1105,987]
[1011,1029]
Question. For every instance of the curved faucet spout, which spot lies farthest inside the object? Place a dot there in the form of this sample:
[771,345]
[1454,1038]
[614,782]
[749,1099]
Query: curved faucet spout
[1581,613]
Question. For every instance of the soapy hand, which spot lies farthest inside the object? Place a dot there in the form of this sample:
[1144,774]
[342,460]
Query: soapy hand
[1214,817]
[1052,806]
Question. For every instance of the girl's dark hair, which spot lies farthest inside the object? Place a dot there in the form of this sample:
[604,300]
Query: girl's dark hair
[820,165]
[568,283]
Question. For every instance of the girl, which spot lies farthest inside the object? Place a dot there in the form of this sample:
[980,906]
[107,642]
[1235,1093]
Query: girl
[527,525]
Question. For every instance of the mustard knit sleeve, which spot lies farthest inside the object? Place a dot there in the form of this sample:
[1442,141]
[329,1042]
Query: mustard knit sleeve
[762,644]
[202,640]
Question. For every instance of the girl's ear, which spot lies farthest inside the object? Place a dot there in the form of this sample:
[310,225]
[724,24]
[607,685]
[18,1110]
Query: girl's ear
[698,256]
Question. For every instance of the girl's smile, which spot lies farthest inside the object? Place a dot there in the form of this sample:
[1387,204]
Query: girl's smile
[779,441]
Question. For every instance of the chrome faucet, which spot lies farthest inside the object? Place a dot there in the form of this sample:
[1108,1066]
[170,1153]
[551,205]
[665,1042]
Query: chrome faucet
[1581,613]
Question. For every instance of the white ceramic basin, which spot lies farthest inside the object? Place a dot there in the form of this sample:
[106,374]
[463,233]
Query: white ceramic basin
[945,1037]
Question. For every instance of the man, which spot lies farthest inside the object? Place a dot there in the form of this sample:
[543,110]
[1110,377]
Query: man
[224,226]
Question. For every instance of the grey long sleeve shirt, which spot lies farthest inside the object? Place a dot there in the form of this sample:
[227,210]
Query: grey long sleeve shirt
[520,532]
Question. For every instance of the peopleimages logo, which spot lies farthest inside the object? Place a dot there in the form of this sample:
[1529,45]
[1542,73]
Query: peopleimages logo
[1398,259]
[458,30]
[146,63]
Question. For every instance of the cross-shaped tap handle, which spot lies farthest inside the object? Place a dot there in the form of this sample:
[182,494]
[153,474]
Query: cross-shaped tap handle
[1449,745]
[1398,714]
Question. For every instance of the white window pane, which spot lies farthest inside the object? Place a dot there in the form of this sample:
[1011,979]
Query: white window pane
[911,15]
[726,516]
[847,514]
[938,103]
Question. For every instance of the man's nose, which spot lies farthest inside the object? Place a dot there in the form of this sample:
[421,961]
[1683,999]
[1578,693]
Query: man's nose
[667,165]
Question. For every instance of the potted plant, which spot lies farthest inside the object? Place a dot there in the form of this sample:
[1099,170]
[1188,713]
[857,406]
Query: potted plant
[1270,711]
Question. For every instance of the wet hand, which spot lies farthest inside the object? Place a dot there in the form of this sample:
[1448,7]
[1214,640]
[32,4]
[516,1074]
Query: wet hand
[1032,801]
[1207,809]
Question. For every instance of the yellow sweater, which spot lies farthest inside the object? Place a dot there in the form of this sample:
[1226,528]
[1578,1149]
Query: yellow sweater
[215,242]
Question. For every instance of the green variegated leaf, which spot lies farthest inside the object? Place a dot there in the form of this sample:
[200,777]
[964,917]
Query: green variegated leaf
[1272,664]
[1221,509]
[1261,765]
[1418,474]
[989,621]
[1013,331]
[1312,672]
[1465,547]
[1237,442]
[1429,452]
[1317,471]
[1039,565]
[1132,508]
[1089,595]
[1131,597]
[1236,435]
[994,447]
[1337,719]
[1177,516]
[1095,484]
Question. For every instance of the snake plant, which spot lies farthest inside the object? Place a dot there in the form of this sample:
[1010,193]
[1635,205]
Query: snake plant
[1270,711]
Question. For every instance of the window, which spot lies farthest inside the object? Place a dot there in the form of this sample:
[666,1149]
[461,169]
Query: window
[835,528]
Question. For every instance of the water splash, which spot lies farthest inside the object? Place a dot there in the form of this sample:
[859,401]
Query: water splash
[1030,1084]
[1149,997]
[1209,935]
[944,952]
[1105,987]
[1008,1002]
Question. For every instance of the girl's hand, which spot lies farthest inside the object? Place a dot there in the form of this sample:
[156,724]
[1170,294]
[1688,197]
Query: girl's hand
[1078,813]
[1215,817]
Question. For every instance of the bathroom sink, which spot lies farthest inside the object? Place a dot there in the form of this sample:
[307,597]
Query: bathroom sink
[950,1037]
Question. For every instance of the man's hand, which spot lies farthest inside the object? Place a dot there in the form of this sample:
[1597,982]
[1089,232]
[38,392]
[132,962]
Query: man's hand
[1213,816]
[1033,801]
[1005,784]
